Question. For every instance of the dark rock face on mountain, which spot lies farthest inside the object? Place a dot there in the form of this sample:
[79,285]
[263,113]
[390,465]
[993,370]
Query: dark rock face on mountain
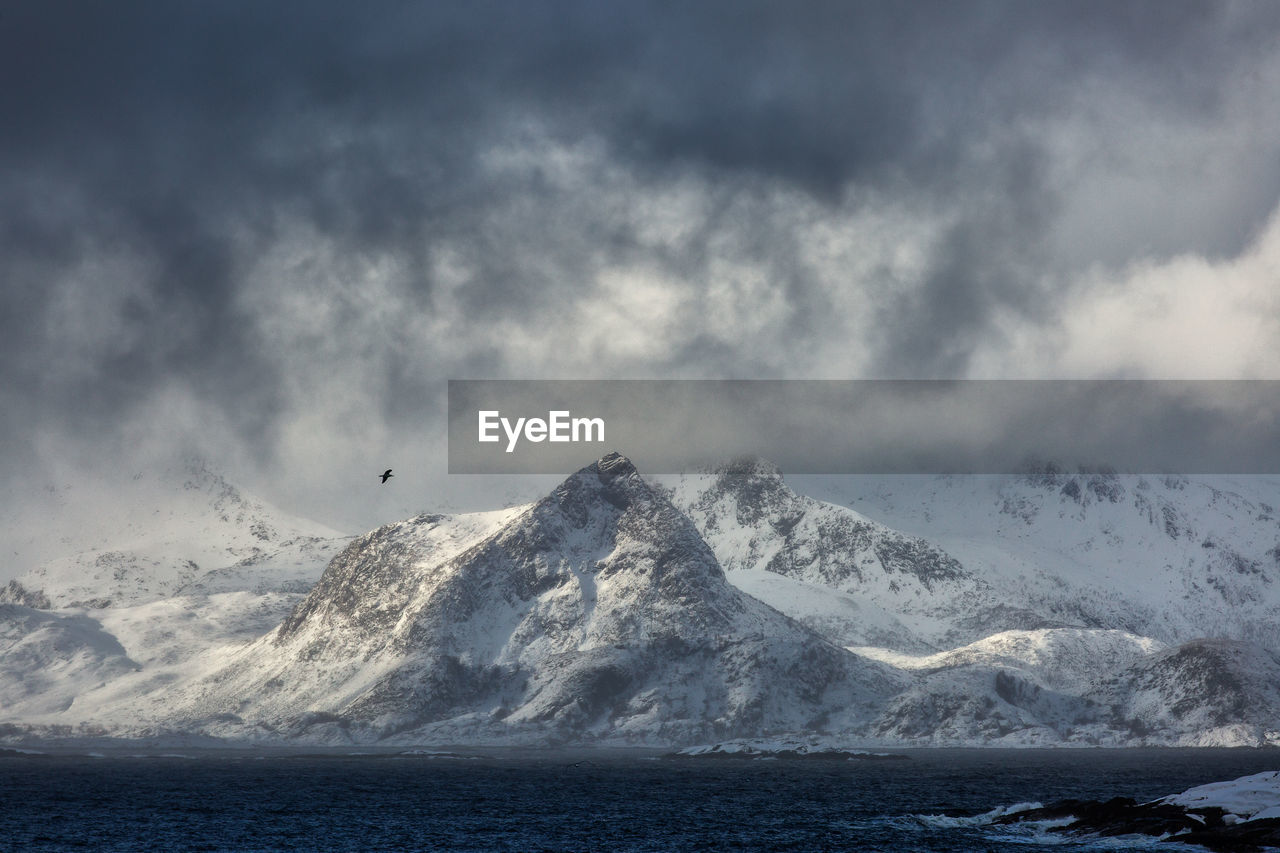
[16,593]
[597,613]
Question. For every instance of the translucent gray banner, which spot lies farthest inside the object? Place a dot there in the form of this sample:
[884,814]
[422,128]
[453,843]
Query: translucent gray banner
[867,426]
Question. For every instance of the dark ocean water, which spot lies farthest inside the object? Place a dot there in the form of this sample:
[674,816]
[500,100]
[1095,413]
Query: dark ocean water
[630,802]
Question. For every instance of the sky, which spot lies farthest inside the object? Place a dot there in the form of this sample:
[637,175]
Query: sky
[267,234]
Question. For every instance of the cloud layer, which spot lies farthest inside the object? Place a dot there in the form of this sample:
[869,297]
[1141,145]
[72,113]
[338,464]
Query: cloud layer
[269,232]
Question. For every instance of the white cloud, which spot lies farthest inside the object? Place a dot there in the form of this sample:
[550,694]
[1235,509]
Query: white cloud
[1182,318]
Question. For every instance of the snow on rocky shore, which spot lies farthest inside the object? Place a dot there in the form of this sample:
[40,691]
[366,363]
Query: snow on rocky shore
[1237,815]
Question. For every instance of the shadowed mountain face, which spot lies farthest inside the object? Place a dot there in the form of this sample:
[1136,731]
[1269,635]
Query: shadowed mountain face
[598,612]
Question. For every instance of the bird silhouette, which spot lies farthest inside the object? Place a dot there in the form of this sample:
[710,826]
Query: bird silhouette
[387,475]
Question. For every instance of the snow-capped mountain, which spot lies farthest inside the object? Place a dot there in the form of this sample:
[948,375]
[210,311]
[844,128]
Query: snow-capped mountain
[1048,609]
[1201,693]
[838,571]
[596,614]
[1060,586]
[175,572]
[184,531]
[1173,558]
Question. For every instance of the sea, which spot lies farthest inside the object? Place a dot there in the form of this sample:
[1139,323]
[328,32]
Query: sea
[926,800]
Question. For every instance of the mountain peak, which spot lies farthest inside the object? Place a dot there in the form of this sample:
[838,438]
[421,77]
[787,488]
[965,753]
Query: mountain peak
[611,478]
[749,468]
[751,478]
[613,464]
[598,611]
[756,487]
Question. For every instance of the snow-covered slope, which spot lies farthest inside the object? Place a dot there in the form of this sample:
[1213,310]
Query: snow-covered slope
[1068,659]
[1201,693]
[597,614]
[1012,688]
[184,531]
[176,569]
[1053,596]
[892,589]
[47,659]
[84,671]
[1174,558]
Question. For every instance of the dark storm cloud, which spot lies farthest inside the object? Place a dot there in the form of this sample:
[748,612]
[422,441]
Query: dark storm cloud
[185,140]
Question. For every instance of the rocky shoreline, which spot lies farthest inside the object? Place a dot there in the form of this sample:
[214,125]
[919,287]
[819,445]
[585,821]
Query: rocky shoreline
[1241,816]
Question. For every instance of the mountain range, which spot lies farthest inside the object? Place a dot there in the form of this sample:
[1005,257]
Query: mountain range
[1048,608]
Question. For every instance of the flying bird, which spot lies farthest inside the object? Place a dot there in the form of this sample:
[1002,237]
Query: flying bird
[387,475]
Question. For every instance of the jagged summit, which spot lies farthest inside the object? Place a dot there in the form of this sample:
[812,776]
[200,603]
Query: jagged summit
[613,464]
[612,478]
